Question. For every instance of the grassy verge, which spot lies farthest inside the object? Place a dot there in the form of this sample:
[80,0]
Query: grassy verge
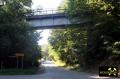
[29,71]
[76,68]
[63,65]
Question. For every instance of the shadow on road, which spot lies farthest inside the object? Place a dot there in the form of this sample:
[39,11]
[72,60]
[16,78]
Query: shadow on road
[45,66]
[51,70]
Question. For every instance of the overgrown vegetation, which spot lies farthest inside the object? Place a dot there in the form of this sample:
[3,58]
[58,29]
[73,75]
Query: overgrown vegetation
[17,36]
[98,43]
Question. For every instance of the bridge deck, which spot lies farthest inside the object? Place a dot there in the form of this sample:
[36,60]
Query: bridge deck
[35,17]
[51,20]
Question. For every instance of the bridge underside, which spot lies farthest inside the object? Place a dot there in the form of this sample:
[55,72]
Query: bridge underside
[51,21]
[61,26]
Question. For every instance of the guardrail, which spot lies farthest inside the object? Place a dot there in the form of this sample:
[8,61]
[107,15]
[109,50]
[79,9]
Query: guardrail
[46,12]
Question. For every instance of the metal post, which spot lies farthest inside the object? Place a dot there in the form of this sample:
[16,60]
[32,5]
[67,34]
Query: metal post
[22,62]
[17,62]
[52,11]
[46,11]
[53,18]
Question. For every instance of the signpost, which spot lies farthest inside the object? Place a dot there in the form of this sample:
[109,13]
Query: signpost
[19,55]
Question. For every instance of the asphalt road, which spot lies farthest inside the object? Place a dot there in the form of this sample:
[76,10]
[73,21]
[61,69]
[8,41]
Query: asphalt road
[53,72]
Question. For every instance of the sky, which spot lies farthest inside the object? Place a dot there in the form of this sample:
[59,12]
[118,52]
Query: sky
[45,4]
[45,34]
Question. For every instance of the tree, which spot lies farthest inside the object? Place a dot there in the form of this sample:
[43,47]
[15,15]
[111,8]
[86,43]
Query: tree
[103,34]
[101,37]
[70,44]
[16,35]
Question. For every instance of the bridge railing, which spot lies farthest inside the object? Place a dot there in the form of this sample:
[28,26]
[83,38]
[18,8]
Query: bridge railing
[46,12]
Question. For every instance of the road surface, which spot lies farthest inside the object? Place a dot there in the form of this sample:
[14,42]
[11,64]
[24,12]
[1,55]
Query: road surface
[53,72]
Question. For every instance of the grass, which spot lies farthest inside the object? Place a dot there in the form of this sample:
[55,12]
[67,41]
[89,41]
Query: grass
[63,65]
[29,71]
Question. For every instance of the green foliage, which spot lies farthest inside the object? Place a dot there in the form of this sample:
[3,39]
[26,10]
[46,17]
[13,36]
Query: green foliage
[104,31]
[63,4]
[45,51]
[95,44]
[16,35]
[69,44]
[52,54]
